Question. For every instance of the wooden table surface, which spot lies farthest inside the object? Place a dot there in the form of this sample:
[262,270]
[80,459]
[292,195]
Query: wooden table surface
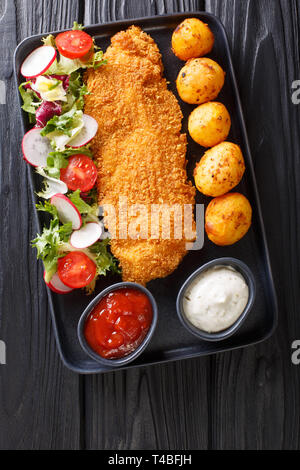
[246,399]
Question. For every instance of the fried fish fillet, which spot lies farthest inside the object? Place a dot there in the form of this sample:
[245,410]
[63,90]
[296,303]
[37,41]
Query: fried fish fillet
[140,152]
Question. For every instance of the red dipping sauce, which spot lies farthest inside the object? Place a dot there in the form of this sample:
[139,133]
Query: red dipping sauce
[119,323]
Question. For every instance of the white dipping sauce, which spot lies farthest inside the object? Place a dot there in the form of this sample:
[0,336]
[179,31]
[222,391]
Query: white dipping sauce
[216,298]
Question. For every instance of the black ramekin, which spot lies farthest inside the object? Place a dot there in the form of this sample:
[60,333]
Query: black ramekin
[220,335]
[132,356]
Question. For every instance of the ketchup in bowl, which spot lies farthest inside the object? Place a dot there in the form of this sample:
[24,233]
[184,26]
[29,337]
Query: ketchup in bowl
[118,324]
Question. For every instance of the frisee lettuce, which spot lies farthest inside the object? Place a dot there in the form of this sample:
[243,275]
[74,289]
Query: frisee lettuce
[53,243]
[90,212]
[97,59]
[49,242]
[51,185]
[104,260]
[77,89]
[77,26]
[67,66]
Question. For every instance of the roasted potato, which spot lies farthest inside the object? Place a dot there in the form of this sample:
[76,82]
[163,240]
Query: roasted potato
[220,169]
[200,80]
[192,38]
[209,124]
[228,218]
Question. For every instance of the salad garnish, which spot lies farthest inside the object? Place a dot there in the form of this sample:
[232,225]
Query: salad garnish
[58,146]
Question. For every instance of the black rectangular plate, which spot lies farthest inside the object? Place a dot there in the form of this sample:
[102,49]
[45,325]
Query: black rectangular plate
[171,341]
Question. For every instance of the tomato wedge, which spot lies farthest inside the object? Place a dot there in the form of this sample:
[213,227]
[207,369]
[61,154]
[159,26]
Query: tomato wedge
[74,44]
[81,173]
[76,269]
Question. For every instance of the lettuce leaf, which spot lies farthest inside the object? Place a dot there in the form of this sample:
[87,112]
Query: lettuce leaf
[68,66]
[91,212]
[77,26]
[53,243]
[51,184]
[64,123]
[60,159]
[61,129]
[30,101]
[63,66]
[104,260]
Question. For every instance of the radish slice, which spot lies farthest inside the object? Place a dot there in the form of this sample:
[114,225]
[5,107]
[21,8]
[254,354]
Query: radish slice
[38,62]
[87,133]
[87,235]
[36,148]
[67,211]
[56,285]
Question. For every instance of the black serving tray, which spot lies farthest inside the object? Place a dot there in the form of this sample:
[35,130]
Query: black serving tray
[171,341]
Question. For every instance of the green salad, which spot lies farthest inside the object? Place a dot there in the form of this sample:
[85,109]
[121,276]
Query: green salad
[74,245]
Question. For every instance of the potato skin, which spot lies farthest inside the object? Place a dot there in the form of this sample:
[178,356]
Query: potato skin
[228,218]
[209,124]
[220,169]
[200,80]
[192,38]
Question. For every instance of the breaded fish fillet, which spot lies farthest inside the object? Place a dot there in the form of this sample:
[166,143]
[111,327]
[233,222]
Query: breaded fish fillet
[139,149]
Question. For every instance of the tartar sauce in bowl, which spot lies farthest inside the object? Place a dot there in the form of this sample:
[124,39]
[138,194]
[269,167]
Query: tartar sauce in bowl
[215,299]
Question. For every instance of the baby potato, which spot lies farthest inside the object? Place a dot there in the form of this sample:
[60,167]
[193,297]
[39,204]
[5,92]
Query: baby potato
[192,38]
[220,169]
[209,124]
[200,80]
[228,218]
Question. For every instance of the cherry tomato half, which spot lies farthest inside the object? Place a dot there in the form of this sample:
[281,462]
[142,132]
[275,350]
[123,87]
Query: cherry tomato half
[74,44]
[81,173]
[76,269]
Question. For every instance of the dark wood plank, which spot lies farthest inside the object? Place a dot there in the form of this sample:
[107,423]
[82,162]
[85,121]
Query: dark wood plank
[111,10]
[161,407]
[255,391]
[39,397]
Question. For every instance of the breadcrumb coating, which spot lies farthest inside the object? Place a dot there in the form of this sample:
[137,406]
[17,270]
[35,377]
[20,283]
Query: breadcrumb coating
[140,151]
